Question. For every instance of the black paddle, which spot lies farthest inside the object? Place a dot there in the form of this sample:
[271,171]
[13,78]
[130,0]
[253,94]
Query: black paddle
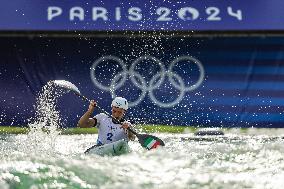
[147,141]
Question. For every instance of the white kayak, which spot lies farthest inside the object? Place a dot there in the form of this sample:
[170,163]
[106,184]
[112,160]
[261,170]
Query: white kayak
[115,148]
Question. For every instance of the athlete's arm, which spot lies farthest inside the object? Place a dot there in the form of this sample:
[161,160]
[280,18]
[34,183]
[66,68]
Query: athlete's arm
[86,120]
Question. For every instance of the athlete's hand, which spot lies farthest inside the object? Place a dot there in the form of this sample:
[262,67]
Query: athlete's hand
[92,106]
[125,125]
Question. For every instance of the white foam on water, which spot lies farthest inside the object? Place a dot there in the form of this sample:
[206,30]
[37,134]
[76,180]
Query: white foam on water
[231,161]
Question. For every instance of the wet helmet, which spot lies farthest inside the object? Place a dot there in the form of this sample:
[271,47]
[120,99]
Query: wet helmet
[120,102]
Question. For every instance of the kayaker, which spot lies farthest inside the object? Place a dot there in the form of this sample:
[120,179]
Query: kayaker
[109,129]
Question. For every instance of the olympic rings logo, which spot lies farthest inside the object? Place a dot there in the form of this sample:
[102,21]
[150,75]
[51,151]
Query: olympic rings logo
[148,87]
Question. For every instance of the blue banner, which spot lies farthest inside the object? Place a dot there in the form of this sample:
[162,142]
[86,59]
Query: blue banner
[141,15]
[224,81]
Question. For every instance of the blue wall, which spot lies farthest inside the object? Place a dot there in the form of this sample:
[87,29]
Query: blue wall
[142,15]
[242,85]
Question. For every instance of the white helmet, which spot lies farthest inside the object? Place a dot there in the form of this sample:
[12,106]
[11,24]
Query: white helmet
[120,102]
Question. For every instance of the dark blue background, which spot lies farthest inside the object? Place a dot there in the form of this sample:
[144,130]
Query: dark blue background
[243,84]
[32,15]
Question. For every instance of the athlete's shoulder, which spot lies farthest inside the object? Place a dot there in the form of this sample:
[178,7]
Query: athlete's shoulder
[102,115]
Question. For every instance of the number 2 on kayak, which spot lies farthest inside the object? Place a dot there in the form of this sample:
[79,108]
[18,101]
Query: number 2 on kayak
[109,135]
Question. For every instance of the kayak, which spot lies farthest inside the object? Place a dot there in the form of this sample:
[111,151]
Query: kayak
[115,148]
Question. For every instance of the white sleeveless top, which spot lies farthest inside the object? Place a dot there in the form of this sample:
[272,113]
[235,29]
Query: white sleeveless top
[108,131]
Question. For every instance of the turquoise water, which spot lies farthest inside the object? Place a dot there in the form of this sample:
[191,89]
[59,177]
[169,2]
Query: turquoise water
[254,159]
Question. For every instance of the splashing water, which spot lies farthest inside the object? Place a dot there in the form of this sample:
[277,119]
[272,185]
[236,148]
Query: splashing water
[250,160]
[47,117]
[44,126]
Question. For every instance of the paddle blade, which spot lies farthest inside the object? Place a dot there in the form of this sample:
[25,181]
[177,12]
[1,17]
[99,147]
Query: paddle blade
[149,142]
[67,85]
